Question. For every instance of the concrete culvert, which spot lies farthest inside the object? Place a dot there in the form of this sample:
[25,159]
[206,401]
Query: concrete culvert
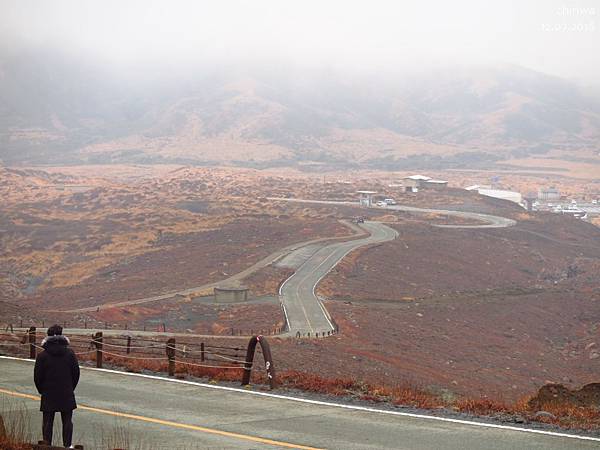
[231,294]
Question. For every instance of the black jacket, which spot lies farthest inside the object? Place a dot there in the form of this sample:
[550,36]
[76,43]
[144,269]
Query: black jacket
[56,374]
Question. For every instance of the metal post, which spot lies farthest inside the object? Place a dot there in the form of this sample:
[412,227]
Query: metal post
[98,342]
[171,356]
[266,351]
[31,335]
[128,344]
[202,351]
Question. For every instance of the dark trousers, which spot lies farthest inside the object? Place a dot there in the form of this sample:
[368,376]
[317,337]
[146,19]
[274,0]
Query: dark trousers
[67,426]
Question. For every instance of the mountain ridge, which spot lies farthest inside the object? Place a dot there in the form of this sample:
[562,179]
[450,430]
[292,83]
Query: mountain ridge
[57,111]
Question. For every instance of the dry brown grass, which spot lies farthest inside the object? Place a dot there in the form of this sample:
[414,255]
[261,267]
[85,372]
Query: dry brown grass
[15,428]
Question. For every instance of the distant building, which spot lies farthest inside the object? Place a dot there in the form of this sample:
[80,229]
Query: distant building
[435,184]
[529,199]
[366,198]
[548,194]
[414,182]
[497,193]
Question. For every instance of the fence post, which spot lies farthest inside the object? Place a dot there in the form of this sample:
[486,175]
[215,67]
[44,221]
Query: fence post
[98,342]
[202,351]
[31,339]
[171,356]
[128,344]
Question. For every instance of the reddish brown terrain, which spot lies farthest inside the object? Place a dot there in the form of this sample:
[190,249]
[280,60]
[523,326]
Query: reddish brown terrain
[496,312]
[481,312]
[71,239]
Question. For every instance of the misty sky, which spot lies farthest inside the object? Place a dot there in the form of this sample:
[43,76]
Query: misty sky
[556,37]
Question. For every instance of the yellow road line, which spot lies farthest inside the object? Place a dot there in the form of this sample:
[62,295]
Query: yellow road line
[173,424]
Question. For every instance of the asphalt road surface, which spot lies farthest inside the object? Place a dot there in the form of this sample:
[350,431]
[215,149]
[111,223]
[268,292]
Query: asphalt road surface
[304,311]
[153,413]
[488,220]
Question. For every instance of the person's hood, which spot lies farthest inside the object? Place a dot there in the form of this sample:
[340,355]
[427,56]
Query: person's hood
[56,345]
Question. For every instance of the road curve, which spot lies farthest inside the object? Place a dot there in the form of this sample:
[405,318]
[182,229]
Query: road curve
[304,311]
[489,220]
[236,277]
[305,314]
[154,412]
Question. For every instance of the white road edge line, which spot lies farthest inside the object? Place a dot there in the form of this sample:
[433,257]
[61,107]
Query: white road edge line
[325,312]
[335,405]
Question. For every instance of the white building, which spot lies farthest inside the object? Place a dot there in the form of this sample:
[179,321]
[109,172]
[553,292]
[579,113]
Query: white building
[497,193]
[547,194]
[366,198]
[436,184]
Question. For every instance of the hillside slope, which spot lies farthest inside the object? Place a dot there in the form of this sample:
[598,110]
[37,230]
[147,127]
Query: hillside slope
[56,110]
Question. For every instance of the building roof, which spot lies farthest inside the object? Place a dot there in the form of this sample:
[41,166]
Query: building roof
[436,181]
[366,192]
[476,187]
[419,177]
[502,194]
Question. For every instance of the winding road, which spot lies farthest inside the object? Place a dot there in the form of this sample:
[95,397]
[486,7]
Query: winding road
[273,257]
[305,313]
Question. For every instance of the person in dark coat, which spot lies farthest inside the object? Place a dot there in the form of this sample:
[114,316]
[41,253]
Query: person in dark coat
[56,375]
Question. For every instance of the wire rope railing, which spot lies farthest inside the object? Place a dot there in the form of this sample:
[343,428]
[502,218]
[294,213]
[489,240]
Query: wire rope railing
[180,355]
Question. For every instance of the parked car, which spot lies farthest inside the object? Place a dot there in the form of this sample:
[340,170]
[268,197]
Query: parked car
[389,201]
[381,203]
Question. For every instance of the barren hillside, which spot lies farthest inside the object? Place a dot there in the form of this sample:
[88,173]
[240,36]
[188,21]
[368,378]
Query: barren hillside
[453,118]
